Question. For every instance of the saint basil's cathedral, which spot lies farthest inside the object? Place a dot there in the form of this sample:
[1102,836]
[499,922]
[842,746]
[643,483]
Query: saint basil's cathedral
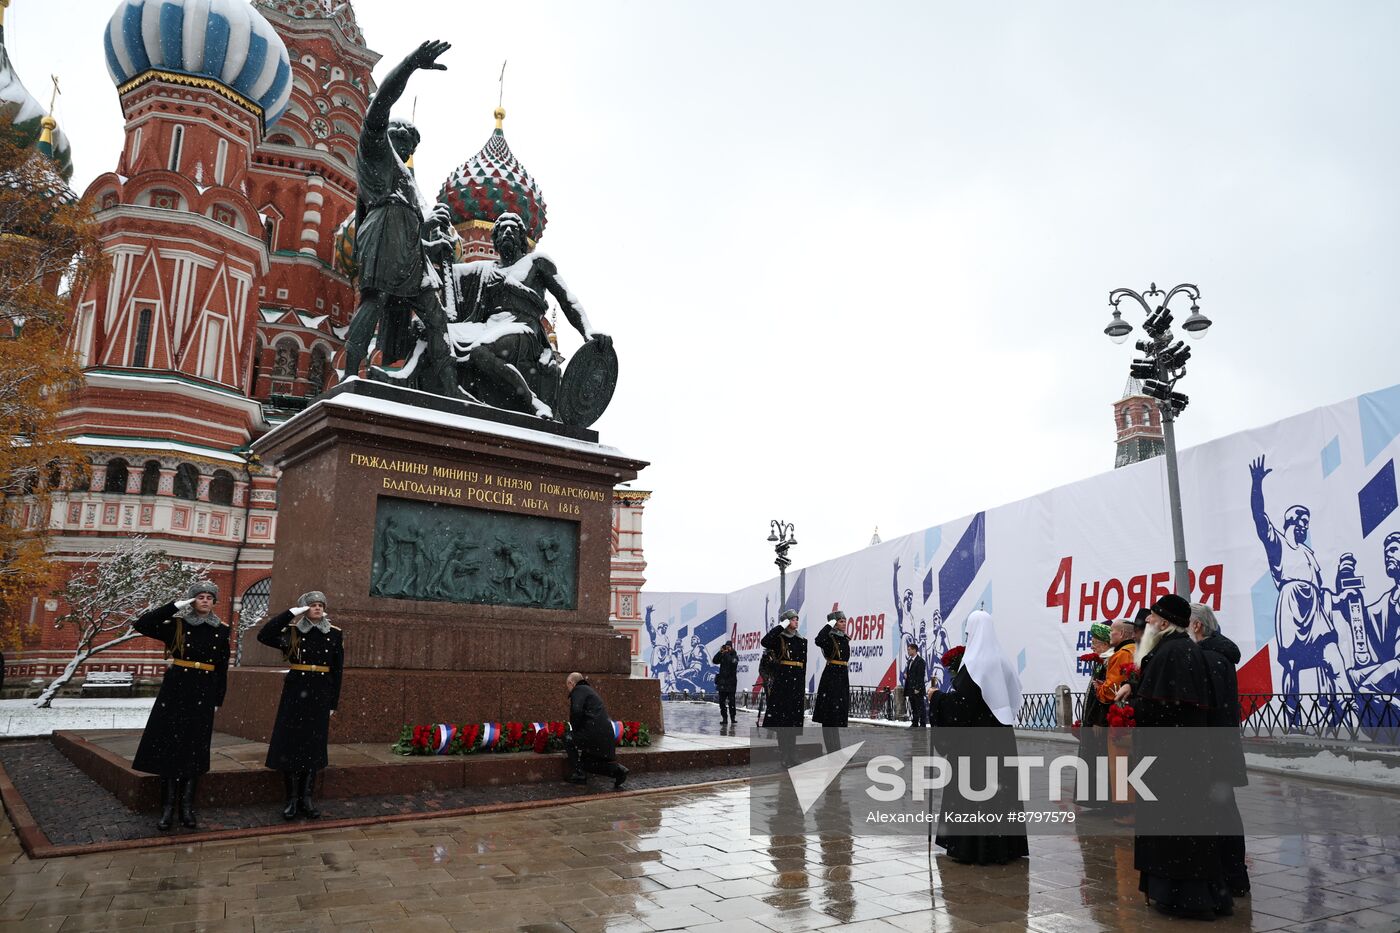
[227,223]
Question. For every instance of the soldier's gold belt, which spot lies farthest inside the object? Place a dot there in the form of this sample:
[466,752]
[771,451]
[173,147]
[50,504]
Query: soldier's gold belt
[313,668]
[197,665]
[834,661]
[794,664]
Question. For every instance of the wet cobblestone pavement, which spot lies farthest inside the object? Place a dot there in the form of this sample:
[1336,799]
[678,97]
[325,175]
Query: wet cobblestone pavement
[673,860]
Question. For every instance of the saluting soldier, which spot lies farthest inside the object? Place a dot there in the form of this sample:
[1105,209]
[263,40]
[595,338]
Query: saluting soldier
[833,703]
[175,743]
[787,689]
[315,652]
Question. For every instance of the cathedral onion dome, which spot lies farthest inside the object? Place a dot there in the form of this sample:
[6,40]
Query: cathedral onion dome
[28,124]
[338,10]
[343,252]
[223,44]
[492,182]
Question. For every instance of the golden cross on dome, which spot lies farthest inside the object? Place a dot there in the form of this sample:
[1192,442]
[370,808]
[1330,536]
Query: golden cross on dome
[53,98]
[500,112]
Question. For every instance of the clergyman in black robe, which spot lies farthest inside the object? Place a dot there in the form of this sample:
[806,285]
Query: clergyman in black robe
[175,743]
[1227,747]
[1181,875]
[315,653]
[974,721]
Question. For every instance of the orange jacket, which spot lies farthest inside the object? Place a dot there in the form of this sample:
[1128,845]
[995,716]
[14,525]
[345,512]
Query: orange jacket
[1114,677]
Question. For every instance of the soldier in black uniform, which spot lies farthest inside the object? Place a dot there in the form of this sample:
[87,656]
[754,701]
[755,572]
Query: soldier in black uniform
[315,651]
[787,688]
[590,742]
[175,743]
[726,681]
[833,703]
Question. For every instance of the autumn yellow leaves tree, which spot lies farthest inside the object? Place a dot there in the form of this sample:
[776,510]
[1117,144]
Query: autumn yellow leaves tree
[48,252]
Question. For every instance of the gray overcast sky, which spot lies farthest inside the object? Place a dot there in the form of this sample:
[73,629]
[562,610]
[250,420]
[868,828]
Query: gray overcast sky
[856,260]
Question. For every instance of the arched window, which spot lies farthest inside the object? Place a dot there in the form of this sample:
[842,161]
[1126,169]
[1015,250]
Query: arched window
[317,372]
[221,488]
[186,482]
[150,478]
[285,365]
[116,476]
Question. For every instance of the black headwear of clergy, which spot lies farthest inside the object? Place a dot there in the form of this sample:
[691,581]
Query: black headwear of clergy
[1174,609]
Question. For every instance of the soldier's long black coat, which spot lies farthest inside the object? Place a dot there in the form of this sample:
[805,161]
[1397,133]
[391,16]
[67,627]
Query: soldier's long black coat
[299,736]
[833,703]
[787,688]
[175,742]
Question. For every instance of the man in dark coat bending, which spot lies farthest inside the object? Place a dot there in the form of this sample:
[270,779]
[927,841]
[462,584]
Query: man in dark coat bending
[591,744]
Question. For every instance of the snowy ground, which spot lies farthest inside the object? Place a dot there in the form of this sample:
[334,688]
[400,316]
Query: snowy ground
[19,718]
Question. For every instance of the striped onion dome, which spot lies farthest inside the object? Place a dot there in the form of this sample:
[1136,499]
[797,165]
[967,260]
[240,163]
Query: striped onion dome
[24,117]
[343,252]
[492,182]
[225,41]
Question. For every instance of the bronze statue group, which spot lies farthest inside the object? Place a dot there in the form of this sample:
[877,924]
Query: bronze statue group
[1184,677]
[175,744]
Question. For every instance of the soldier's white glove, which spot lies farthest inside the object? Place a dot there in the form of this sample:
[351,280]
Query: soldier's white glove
[298,610]
[182,604]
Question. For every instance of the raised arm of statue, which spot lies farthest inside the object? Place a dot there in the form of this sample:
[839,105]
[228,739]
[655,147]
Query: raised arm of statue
[1273,548]
[425,58]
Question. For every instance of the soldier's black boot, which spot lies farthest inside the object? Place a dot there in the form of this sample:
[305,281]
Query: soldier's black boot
[289,784]
[619,775]
[304,803]
[188,818]
[169,791]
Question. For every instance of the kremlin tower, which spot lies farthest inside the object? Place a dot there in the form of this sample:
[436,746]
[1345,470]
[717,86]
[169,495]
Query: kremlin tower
[1139,424]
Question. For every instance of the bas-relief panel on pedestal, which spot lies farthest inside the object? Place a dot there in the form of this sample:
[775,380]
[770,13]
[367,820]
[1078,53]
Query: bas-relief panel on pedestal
[448,553]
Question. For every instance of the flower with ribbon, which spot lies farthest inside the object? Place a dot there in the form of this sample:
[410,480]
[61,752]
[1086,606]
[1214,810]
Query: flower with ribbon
[443,734]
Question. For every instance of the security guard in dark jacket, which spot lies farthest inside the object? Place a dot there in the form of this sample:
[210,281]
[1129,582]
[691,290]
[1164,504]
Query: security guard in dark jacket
[726,680]
[315,652]
[175,743]
[590,744]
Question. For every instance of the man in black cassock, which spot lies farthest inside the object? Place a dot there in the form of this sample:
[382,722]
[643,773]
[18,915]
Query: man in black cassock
[175,743]
[1227,748]
[1181,875]
[315,653]
[590,744]
[832,706]
[726,681]
[974,720]
[914,676]
[787,687]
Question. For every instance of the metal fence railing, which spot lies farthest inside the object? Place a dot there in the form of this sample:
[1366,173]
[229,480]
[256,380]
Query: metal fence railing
[1364,717]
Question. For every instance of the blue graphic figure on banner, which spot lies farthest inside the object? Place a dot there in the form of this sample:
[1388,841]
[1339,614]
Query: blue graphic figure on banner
[929,636]
[660,661]
[1375,628]
[1304,631]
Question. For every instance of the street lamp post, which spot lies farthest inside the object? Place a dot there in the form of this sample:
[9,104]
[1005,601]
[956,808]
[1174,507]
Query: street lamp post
[1162,366]
[782,536]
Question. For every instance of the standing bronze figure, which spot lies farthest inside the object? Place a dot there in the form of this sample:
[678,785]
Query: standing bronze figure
[400,242]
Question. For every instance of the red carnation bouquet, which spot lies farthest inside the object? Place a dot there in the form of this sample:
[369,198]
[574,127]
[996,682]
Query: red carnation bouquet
[952,658]
[1121,716]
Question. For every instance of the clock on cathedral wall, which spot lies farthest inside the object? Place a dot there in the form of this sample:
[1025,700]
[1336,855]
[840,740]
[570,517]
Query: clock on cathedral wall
[321,128]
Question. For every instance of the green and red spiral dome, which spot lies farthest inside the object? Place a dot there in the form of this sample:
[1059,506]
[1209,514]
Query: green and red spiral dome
[492,182]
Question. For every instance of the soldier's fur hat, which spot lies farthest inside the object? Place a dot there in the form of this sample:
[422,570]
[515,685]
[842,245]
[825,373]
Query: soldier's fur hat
[203,586]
